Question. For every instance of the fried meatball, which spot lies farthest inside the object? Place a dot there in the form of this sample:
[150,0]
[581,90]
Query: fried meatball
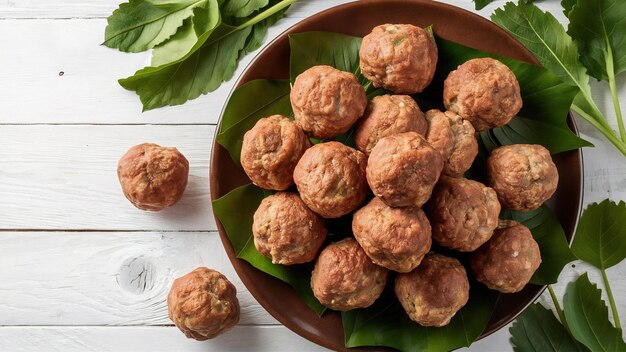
[403,169]
[483,91]
[463,213]
[432,293]
[203,304]
[271,150]
[523,175]
[153,177]
[327,102]
[508,260]
[396,238]
[286,231]
[399,57]
[331,179]
[345,278]
[454,138]
[387,115]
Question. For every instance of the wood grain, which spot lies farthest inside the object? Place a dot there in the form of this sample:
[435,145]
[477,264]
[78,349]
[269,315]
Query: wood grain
[153,339]
[62,9]
[64,123]
[75,77]
[65,177]
[105,278]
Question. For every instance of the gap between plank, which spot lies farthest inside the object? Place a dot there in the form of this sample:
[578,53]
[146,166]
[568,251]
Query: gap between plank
[106,231]
[115,326]
[104,124]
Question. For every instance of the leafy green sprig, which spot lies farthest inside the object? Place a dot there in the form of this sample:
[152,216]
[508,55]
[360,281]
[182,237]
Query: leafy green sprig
[594,45]
[197,43]
[583,322]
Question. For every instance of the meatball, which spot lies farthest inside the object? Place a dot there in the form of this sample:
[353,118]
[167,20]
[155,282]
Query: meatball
[454,138]
[331,179]
[286,231]
[403,169]
[396,238]
[327,102]
[271,150]
[463,213]
[439,134]
[399,57]
[203,304]
[387,115]
[483,91]
[508,260]
[523,175]
[432,293]
[345,278]
[153,177]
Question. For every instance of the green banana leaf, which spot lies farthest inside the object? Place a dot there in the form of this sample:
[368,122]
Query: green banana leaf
[542,120]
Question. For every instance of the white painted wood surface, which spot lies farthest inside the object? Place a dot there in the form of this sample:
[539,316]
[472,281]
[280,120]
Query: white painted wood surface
[65,177]
[81,269]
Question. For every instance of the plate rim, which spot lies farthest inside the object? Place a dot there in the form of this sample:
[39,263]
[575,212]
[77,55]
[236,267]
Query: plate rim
[215,145]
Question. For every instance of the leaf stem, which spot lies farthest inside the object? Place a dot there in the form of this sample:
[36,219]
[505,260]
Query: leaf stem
[609,293]
[559,311]
[599,116]
[265,14]
[618,143]
[616,105]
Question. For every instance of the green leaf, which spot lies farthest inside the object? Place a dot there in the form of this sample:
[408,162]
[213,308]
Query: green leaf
[340,51]
[588,318]
[249,103]
[547,100]
[538,330]
[599,29]
[546,38]
[385,323]
[199,72]
[205,19]
[523,130]
[256,38]
[208,63]
[139,25]
[567,6]
[479,4]
[235,211]
[242,8]
[323,48]
[601,234]
[176,46]
[549,234]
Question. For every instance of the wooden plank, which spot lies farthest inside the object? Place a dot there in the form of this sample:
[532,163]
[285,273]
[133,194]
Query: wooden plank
[149,339]
[104,278]
[29,9]
[74,80]
[64,177]
[61,9]
[168,338]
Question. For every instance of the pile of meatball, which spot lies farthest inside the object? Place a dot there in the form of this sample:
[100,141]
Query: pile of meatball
[413,163]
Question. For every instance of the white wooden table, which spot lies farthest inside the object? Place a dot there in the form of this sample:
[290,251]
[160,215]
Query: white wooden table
[80,268]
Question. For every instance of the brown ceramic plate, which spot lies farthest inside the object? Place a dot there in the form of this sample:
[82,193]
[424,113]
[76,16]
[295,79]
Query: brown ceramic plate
[357,19]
